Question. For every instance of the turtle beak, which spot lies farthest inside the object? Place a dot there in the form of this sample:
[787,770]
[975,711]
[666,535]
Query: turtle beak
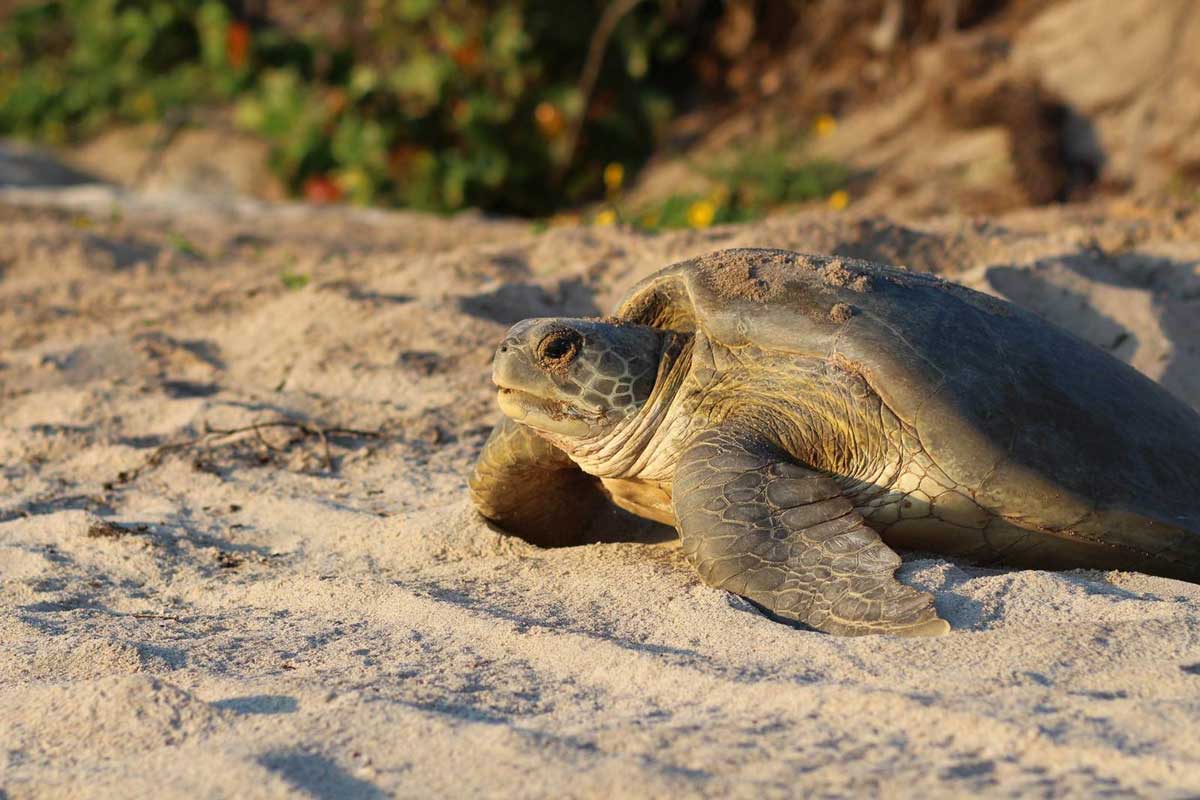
[513,365]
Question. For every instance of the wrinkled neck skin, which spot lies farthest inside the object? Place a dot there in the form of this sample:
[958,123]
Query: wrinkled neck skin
[634,446]
[815,411]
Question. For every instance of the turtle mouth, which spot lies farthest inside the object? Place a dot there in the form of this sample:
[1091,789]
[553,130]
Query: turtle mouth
[543,414]
[531,402]
[523,405]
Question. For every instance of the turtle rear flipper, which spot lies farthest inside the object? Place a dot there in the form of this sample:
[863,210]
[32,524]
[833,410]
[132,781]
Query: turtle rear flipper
[532,489]
[784,536]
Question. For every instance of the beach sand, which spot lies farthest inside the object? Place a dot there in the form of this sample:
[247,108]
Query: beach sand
[311,608]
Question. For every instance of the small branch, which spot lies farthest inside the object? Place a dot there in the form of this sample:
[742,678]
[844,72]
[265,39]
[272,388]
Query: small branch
[173,122]
[212,436]
[263,440]
[613,14]
[325,447]
[307,428]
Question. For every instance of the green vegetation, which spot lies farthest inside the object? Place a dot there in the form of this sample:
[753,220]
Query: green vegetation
[293,280]
[182,245]
[756,181]
[433,105]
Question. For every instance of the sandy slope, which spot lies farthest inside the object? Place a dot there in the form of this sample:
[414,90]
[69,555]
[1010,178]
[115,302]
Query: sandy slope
[274,618]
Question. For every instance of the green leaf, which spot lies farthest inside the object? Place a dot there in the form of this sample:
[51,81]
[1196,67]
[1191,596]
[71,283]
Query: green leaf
[414,10]
[293,281]
[212,23]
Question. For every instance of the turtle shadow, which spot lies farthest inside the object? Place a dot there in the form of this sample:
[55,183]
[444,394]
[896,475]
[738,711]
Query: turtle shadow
[612,525]
[617,526]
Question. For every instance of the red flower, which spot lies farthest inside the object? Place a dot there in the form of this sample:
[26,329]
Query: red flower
[237,44]
[466,56]
[320,189]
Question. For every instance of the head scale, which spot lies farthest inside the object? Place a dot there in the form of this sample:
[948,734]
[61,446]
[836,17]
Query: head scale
[576,379]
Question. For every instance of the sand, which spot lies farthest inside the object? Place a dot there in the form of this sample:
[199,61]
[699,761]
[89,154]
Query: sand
[270,613]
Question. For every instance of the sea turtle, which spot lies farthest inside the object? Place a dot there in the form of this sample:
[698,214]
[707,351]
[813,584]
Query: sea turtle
[794,416]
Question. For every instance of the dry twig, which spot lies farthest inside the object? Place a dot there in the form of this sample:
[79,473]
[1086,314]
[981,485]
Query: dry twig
[213,436]
[613,13]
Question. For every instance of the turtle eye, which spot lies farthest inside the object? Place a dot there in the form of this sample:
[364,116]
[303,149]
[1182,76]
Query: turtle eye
[559,348]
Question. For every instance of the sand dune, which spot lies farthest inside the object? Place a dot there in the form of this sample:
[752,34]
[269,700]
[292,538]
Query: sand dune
[311,608]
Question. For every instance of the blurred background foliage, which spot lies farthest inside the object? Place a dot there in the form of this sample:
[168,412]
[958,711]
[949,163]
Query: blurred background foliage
[513,106]
[654,113]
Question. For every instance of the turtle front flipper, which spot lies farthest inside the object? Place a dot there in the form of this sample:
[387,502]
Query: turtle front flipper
[532,489]
[783,536]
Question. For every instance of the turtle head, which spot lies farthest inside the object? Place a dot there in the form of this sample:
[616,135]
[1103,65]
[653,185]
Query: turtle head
[576,378]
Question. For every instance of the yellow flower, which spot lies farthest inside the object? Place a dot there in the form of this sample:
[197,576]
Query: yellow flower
[651,219]
[839,200]
[249,115]
[605,217]
[614,176]
[355,184]
[824,125]
[700,214]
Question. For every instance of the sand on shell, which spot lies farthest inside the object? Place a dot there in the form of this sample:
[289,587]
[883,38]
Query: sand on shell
[273,613]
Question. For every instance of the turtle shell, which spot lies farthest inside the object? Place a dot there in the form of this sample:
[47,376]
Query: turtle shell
[1041,427]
